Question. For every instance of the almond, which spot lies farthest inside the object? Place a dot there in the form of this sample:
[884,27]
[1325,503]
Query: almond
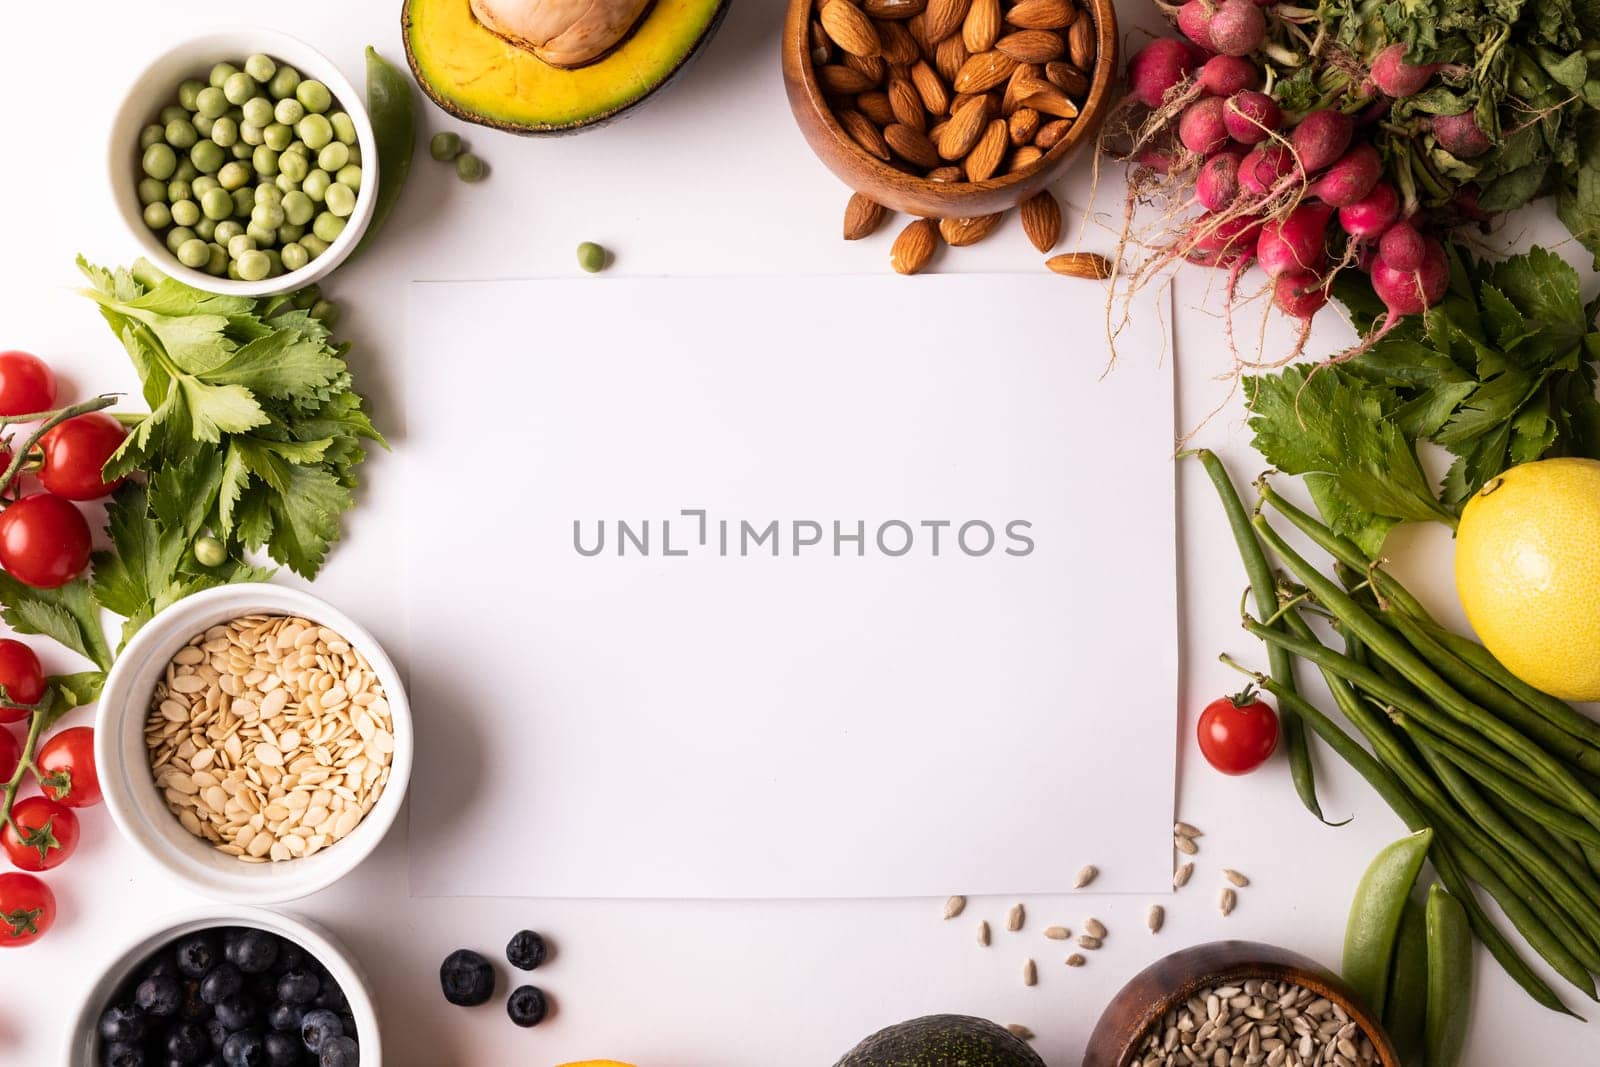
[990,151]
[1052,132]
[1026,156]
[839,80]
[1031,46]
[872,66]
[1080,265]
[936,131]
[983,72]
[821,47]
[850,28]
[982,25]
[864,133]
[1025,72]
[931,88]
[946,174]
[900,49]
[1042,96]
[894,9]
[917,28]
[962,232]
[944,17]
[876,107]
[1080,44]
[949,55]
[1022,125]
[1042,14]
[862,217]
[905,105]
[964,129]
[1067,78]
[911,145]
[1041,220]
[914,247]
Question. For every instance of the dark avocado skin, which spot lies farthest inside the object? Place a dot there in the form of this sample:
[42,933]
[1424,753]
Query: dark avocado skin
[943,1041]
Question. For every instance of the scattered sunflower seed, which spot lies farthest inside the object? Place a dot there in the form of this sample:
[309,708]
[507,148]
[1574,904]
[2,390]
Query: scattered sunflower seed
[1226,901]
[1088,941]
[1057,933]
[954,906]
[1085,876]
[1075,960]
[1094,928]
[1183,829]
[1021,1031]
[1015,917]
[1235,877]
[1185,845]
[1180,877]
[983,932]
[1156,918]
[1030,972]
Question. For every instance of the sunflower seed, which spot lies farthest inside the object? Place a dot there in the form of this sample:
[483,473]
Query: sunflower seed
[1015,917]
[1156,918]
[1030,973]
[1057,933]
[1183,829]
[954,906]
[1075,960]
[1085,876]
[1094,928]
[1257,1022]
[1021,1031]
[1185,845]
[1088,941]
[1226,900]
[1235,877]
[1181,876]
[983,932]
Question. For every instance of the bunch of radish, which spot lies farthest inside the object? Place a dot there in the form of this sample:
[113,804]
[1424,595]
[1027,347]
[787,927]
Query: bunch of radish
[1301,195]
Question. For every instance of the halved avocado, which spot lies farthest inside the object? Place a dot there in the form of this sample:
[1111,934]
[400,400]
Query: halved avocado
[479,77]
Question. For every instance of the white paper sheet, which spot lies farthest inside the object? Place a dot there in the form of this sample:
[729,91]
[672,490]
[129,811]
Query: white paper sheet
[723,722]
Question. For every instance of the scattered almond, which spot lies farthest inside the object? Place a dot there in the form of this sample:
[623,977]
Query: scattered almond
[914,248]
[862,216]
[1041,220]
[1081,265]
[962,232]
[850,28]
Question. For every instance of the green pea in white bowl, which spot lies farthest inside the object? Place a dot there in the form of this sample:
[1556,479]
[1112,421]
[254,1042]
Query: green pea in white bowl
[156,88]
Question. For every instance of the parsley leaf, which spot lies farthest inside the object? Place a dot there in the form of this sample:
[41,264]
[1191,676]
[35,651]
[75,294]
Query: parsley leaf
[68,614]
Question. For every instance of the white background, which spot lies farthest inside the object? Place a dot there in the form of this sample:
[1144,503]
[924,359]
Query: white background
[712,177]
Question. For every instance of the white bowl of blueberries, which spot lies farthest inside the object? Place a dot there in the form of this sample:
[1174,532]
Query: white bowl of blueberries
[228,987]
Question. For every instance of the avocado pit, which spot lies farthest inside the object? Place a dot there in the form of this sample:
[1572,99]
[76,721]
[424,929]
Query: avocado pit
[563,33]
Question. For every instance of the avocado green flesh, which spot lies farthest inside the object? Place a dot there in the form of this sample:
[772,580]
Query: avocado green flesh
[480,77]
[942,1041]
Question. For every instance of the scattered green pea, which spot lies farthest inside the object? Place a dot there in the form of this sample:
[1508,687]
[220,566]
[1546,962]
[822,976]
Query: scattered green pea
[193,253]
[207,156]
[445,146]
[314,96]
[315,130]
[326,311]
[469,168]
[211,102]
[186,213]
[328,226]
[221,73]
[344,128]
[151,134]
[260,67]
[188,94]
[157,215]
[151,191]
[254,265]
[592,257]
[216,203]
[334,155]
[283,83]
[159,161]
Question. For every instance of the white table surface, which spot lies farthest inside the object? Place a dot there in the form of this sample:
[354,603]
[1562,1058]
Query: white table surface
[711,178]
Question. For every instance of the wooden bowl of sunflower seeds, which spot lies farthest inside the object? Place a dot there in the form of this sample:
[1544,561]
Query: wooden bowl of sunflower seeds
[948,109]
[1238,1002]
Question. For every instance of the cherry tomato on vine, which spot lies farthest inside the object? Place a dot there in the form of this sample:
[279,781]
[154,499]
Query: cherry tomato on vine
[22,677]
[66,768]
[27,384]
[1238,733]
[42,834]
[27,909]
[10,754]
[76,451]
[44,540]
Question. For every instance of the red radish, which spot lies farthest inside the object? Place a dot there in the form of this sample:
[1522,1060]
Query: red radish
[1217,184]
[1251,116]
[1226,75]
[1351,178]
[1299,293]
[1200,128]
[1402,248]
[1411,292]
[1264,167]
[1221,244]
[1460,135]
[1158,68]
[1194,22]
[1395,77]
[1295,243]
[1374,213]
[1466,203]
[1237,27]
[1320,139]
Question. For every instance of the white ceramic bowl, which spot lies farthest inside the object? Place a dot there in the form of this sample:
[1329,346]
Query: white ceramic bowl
[81,1037]
[157,87]
[141,812]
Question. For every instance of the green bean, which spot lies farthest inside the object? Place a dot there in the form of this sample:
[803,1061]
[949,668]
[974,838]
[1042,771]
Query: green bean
[1373,929]
[1393,651]
[1405,1013]
[1264,588]
[1518,796]
[1559,847]
[1449,979]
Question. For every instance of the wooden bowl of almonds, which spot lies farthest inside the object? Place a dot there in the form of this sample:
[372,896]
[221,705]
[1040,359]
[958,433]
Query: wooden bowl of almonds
[255,741]
[1238,1002]
[949,109]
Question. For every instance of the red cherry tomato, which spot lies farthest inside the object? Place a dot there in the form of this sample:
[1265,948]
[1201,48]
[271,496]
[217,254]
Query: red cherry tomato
[42,834]
[76,451]
[22,677]
[44,540]
[66,768]
[10,754]
[1238,733]
[27,909]
[27,384]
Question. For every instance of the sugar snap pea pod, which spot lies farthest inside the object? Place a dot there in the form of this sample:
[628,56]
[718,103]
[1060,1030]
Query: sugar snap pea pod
[394,125]
[1264,589]
[1406,1011]
[1449,979]
[1374,926]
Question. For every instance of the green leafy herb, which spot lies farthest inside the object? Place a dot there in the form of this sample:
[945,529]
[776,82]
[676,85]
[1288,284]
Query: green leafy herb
[1502,372]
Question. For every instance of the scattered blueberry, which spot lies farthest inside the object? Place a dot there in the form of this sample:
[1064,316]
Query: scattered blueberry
[285,1016]
[253,951]
[526,950]
[121,1023]
[188,1042]
[298,987]
[527,1005]
[245,1048]
[318,1027]
[466,978]
[159,996]
[196,955]
[339,1052]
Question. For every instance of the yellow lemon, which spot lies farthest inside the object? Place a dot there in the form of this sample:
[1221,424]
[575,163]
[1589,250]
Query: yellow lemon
[1528,573]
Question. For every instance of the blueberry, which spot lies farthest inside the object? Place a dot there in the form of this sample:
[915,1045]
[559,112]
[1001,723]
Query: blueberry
[298,987]
[290,957]
[525,950]
[163,965]
[285,1016]
[527,1005]
[218,1032]
[159,996]
[193,1008]
[319,1027]
[253,951]
[466,978]
[121,1023]
[196,955]
[237,1013]
[340,1052]
[123,1054]
[330,996]
[283,1049]
[188,1042]
[222,981]
[245,1049]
